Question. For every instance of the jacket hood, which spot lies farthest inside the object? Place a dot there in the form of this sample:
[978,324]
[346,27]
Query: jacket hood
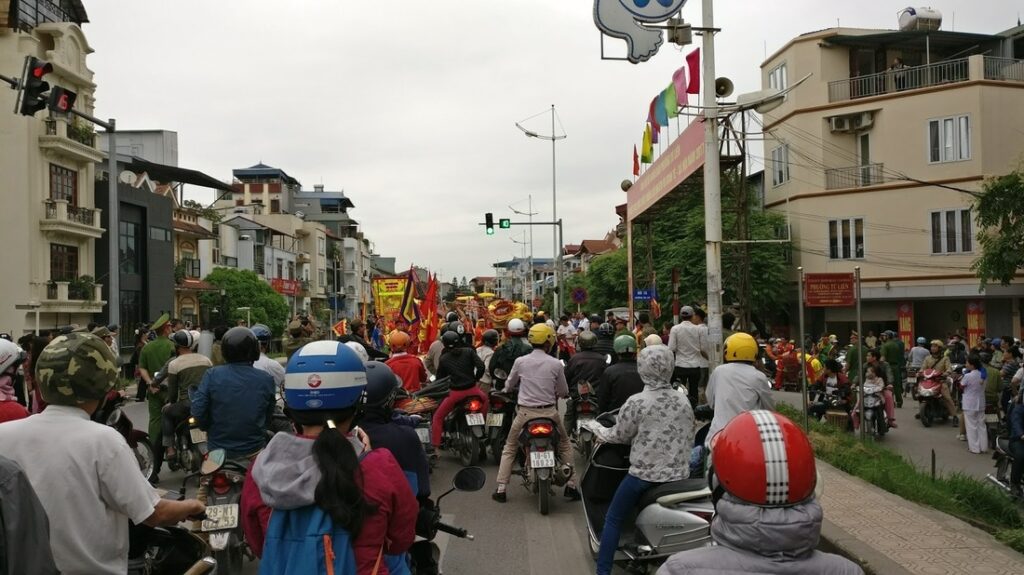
[286,472]
[779,533]
[655,365]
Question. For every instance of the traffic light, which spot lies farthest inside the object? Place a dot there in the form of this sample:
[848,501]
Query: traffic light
[32,87]
[489,223]
[504,223]
[61,100]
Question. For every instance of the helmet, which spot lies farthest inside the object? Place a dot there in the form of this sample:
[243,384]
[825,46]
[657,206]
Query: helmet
[239,345]
[653,339]
[323,375]
[516,327]
[595,320]
[541,334]
[996,342]
[359,350]
[922,341]
[75,368]
[539,317]
[450,339]
[183,338]
[764,459]
[381,385]
[740,347]
[11,355]
[398,340]
[196,334]
[261,332]
[605,330]
[938,342]
[451,316]
[625,343]
[490,338]
[587,340]
[456,327]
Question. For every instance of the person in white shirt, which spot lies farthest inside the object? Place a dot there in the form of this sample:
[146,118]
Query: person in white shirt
[264,363]
[566,338]
[689,343]
[489,341]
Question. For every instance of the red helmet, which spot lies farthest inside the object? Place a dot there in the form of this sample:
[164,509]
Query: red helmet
[763,458]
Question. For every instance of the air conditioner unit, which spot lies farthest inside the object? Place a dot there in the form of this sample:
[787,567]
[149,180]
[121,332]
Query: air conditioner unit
[839,123]
[862,121]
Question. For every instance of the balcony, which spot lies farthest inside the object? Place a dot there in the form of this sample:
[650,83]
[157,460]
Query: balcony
[69,297]
[302,257]
[228,261]
[916,77]
[61,217]
[73,141]
[854,176]
[1004,69]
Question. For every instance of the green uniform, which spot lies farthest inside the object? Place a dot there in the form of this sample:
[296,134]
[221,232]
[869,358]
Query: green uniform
[153,357]
[892,353]
[853,365]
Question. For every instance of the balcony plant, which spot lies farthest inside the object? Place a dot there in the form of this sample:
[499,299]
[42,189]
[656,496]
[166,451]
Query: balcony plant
[82,288]
[179,271]
[81,133]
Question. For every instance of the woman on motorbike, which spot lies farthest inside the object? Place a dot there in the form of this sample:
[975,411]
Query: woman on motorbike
[874,376]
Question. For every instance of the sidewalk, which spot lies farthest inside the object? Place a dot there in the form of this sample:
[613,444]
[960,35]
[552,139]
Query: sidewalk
[891,535]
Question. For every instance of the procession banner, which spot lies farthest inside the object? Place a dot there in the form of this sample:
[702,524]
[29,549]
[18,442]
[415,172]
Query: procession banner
[975,322]
[388,293]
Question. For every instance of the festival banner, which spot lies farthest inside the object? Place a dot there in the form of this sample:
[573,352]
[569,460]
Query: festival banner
[429,321]
[975,322]
[905,319]
[388,293]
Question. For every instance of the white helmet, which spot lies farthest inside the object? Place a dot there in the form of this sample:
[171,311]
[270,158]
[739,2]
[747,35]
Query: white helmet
[359,349]
[516,327]
[11,355]
[195,338]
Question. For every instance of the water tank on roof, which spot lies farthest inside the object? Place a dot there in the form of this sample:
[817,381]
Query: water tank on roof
[920,19]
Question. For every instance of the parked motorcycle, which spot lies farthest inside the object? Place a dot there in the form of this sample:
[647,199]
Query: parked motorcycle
[424,554]
[1004,461]
[167,550]
[499,421]
[540,465]
[928,393]
[874,411]
[221,479]
[110,413]
[670,518]
[831,398]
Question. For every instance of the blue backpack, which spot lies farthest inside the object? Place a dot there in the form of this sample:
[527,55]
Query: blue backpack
[305,541]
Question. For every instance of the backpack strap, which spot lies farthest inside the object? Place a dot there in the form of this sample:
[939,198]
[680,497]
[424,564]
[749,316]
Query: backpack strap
[376,566]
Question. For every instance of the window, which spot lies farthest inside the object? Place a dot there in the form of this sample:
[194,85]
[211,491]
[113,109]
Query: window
[321,246]
[780,165]
[275,206]
[323,277]
[160,234]
[280,268]
[63,184]
[192,266]
[846,239]
[777,77]
[949,139]
[63,262]
[291,270]
[128,244]
[952,232]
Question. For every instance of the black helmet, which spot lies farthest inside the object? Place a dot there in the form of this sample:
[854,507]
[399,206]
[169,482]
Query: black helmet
[451,316]
[450,339]
[587,340]
[605,330]
[595,320]
[456,327]
[239,345]
[262,333]
[182,338]
[381,385]
[490,338]
[539,318]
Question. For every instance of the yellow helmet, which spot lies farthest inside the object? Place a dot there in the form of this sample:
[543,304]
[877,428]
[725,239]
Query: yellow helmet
[540,334]
[740,347]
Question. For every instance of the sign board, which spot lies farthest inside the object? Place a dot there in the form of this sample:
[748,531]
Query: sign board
[975,321]
[679,161]
[829,290]
[579,295]
[645,294]
[340,328]
[286,287]
[905,318]
[625,19]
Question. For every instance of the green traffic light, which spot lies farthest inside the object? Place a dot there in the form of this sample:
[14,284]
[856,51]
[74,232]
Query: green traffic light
[505,223]
[490,231]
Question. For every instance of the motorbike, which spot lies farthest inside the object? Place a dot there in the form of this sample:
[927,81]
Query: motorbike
[424,403]
[111,414]
[189,446]
[167,550]
[1004,460]
[670,518]
[424,554]
[540,466]
[874,410]
[928,393]
[585,407]
[499,421]
[831,398]
[221,479]
[464,430]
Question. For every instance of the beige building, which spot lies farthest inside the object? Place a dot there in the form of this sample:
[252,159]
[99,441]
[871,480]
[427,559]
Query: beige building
[873,159]
[49,222]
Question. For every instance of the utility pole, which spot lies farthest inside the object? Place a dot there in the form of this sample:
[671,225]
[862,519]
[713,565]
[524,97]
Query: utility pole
[712,191]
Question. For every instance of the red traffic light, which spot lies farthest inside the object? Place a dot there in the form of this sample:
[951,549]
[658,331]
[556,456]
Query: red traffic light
[40,68]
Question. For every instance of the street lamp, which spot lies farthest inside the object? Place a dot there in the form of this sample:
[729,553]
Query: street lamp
[248,317]
[554,208]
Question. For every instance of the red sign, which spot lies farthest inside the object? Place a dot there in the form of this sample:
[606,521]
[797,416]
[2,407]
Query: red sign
[975,322]
[829,290]
[285,287]
[905,317]
[314,381]
[679,161]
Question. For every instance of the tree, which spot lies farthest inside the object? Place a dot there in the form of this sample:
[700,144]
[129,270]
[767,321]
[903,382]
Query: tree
[205,211]
[243,288]
[999,211]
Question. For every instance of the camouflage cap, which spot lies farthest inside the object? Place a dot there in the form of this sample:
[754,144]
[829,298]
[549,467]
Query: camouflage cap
[75,368]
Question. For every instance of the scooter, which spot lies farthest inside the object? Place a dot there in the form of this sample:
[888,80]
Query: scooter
[424,555]
[221,479]
[538,456]
[585,407]
[1004,461]
[670,518]
[464,429]
[112,415]
[874,411]
[424,403]
[167,550]
[189,446]
[830,399]
[499,421]
[928,393]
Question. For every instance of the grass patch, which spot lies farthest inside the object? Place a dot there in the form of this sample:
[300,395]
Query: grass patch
[967,498]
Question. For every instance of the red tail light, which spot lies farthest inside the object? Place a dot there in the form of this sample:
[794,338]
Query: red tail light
[586,407]
[497,405]
[540,429]
[474,405]
[220,483]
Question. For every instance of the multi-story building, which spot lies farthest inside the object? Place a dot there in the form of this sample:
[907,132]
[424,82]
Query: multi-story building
[270,252]
[874,160]
[158,146]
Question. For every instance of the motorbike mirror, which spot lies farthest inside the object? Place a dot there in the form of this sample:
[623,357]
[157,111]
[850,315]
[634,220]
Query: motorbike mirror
[433,378]
[214,460]
[114,417]
[469,479]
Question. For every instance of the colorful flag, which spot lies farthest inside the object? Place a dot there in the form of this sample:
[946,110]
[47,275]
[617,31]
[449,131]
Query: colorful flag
[671,104]
[636,162]
[340,328]
[659,111]
[679,82]
[409,311]
[646,151]
[429,321]
[693,62]
[655,309]
[652,117]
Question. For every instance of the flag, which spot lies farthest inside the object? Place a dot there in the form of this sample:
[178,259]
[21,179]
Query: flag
[340,328]
[671,104]
[646,152]
[408,310]
[660,112]
[693,62]
[636,162]
[429,322]
[679,82]
[652,117]
[655,309]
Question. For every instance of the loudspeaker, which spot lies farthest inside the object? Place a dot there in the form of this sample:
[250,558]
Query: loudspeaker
[723,87]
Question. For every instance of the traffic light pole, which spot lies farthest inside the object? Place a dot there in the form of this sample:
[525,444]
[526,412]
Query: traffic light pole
[558,258]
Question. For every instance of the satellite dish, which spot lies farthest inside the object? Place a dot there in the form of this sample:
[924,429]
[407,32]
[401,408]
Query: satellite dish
[126,177]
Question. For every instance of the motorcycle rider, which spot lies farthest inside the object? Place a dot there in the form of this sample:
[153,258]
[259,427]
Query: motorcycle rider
[891,351]
[566,336]
[264,363]
[540,379]
[151,359]
[832,376]
[622,380]
[85,475]
[235,401]
[587,366]
[184,373]
[463,366]
[406,366]
[874,375]
[940,363]
[760,527]
[884,371]
[658,423]
[325,486]
[357,333]
[736,385]
[606,341]
[488,341]
[505,356]
[689,341]
[918,353]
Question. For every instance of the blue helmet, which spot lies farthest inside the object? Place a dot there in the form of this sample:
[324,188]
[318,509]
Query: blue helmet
[324,375]
[261,332]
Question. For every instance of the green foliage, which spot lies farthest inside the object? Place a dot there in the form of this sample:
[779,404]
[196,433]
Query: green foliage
[243,288]
[82,288]
[205,211]
[999,211]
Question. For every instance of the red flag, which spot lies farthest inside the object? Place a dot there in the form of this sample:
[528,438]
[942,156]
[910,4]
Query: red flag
[693,61]
[429,323]
[655,309]
[636,162]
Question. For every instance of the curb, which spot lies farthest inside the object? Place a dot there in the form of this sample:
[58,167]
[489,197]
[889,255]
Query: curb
[835,539]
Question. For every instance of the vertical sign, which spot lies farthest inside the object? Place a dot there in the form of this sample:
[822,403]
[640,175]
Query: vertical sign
[975,321]
[905,317]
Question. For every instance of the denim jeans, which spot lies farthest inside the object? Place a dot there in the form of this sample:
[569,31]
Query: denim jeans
[626,496]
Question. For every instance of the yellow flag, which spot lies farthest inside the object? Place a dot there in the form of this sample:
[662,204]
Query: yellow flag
[647,152]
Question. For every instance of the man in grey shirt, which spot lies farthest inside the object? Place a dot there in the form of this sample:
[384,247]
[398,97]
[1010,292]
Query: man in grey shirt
[689,342]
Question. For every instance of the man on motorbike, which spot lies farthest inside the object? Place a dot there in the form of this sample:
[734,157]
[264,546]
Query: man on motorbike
[463,367]
[540,380]
[85,475]
[184,373]
[585,366]
[832,378]
[505,356]
[235,401]
[736,385]
[658,423]
[406,366]
[918,354]
[940,363]
[264,363]
[488,341]
[622,380]
[762,526]
[606,341]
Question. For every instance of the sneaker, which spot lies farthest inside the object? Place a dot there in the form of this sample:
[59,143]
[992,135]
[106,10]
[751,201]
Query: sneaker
[571,493]
[961,437]
[499,496]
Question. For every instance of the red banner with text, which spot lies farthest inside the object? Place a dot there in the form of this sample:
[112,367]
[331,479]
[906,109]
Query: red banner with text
[975,322]
[905,318]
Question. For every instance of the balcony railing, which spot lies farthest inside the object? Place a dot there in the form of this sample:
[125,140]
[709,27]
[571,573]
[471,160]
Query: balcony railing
[898,80]
[60,215]
[854,176]
[229,261]
[1005,69]
[80,215]
[77,132]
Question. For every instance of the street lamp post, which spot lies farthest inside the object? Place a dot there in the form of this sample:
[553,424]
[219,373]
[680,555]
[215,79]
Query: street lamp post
[248,317]
[712,191]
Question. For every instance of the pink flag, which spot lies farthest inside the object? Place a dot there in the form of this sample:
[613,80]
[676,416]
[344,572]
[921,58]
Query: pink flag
[652,116]
[693,62]
[679,81]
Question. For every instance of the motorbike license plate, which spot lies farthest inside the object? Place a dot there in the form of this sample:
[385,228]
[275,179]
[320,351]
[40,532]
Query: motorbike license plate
[474,419]
[495,419]
[540,459]
[584,388]
[198,435]
[424,434]
[221,517]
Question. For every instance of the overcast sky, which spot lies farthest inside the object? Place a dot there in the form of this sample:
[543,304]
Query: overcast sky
[410,106]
